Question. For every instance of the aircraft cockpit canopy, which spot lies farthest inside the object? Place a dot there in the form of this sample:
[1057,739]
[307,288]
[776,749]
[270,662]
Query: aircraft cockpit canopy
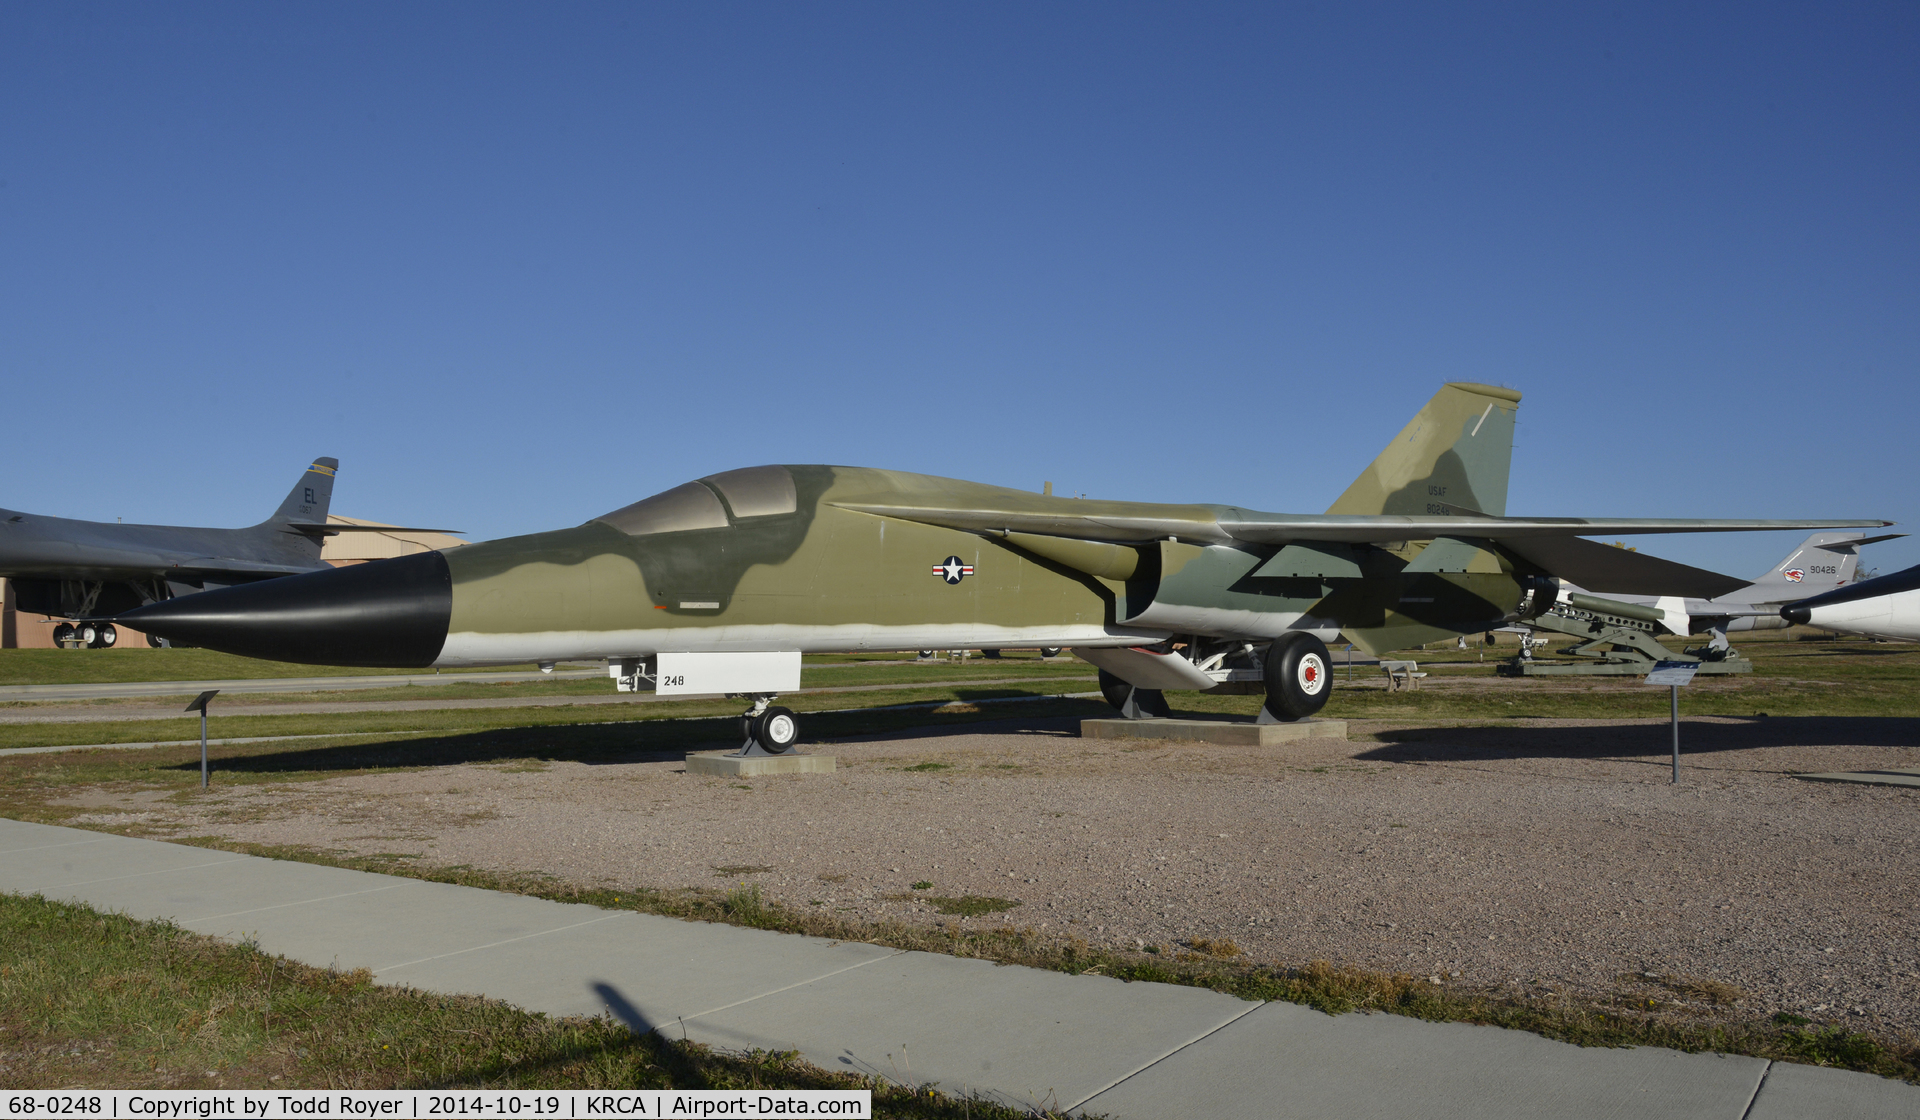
[746,493]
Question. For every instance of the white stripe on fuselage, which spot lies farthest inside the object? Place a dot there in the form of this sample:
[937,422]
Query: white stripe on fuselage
[468,648]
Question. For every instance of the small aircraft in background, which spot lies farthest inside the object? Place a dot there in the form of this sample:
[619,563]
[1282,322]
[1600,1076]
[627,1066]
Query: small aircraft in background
[1883,607]
[721,584]
[93,570]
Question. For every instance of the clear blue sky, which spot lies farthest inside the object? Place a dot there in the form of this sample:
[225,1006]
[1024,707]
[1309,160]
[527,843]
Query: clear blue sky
[520,264]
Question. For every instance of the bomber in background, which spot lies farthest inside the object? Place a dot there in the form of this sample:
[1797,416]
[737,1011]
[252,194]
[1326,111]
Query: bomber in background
[1884,607]
[92,570]
[719,585]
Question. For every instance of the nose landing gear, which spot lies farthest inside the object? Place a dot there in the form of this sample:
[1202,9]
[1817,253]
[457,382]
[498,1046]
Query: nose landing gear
[768,728]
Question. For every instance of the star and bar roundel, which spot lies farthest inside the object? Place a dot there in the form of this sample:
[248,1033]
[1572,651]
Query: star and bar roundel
[952,569]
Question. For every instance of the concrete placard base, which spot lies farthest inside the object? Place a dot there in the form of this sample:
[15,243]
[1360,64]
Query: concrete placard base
[1214,731]
[726,764]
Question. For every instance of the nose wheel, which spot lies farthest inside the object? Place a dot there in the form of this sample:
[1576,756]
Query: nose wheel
[768,729]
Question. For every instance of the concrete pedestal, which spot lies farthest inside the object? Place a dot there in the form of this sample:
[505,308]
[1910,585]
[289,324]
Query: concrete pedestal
[1247,734]
[726,764]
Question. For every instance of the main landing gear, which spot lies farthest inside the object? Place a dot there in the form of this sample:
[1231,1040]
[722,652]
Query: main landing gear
[768,728]
[1295,670]
[1299,676]
[90,635]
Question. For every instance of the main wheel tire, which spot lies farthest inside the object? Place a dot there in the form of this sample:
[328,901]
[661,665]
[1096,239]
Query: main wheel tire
[927,654]
[106,635]
[62,634]
[1148,703]
[776,730]
[1050,651]
[1299,676]
[156,641]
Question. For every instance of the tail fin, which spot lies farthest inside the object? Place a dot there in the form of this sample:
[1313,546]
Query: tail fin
[1453,457]
[1822,562]
[310,497]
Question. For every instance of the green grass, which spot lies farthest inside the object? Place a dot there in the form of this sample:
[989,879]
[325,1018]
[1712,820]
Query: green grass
[1791,677]
[140,663]
[99,1000]
[970,905]
[602,688]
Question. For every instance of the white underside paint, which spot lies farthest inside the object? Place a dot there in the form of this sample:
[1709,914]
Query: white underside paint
[467,649]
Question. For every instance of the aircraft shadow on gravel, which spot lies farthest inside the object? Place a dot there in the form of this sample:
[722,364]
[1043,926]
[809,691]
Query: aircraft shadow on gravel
[1651,740]
[615,743]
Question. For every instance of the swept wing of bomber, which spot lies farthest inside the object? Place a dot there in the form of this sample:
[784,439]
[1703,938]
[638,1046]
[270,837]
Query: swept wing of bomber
[719,585]
[94,570]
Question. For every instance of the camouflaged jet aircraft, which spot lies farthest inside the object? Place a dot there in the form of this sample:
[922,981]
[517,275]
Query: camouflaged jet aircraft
[719,585]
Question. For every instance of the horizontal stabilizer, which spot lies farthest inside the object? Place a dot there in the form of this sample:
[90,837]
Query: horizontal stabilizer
[1616,571]
[1862,542]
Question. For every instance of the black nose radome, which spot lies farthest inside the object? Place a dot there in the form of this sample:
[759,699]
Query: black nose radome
[389,614]
[1799,616]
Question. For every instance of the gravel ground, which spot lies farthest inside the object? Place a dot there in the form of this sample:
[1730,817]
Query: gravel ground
[1549,854]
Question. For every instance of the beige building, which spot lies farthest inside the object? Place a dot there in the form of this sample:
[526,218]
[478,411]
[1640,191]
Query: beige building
[35,631]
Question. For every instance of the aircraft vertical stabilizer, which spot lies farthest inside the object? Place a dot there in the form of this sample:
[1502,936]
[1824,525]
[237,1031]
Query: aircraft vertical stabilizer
[307,502]
[1820,563]
[1451,458]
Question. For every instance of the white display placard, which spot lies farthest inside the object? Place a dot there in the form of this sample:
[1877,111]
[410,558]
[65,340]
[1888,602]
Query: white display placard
[699,674]
[1676,674]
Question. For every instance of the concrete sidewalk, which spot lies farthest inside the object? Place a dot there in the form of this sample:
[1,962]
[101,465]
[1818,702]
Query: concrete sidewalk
[1024,1036]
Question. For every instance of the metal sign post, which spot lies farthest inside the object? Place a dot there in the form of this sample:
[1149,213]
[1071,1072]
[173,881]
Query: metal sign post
[1674,674]
[200,705]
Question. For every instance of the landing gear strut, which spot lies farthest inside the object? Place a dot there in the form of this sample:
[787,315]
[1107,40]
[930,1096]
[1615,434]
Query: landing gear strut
[768,728]
[1134,703]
